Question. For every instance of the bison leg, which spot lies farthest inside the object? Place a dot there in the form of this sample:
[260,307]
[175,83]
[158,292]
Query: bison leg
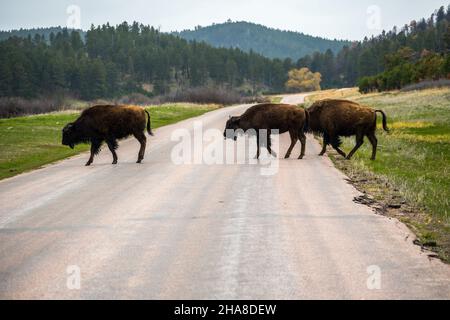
[269,147]
[143,141]
[294,140]
[258,146]
[335,142]
[342,153]
[326,141]
[359,143]
[112,145]
[374,141]
[95,149]
[262,142]
[303,142]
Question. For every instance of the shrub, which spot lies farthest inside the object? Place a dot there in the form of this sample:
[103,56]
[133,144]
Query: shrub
[135,99]
[14,107]
[205,95]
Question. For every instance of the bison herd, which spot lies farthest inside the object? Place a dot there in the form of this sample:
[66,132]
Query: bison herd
[332,119]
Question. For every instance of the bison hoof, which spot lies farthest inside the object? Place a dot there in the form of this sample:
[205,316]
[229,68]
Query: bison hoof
[300,158]
[139,161]
[287,156]
[115,162]
[88,164]
[321,154]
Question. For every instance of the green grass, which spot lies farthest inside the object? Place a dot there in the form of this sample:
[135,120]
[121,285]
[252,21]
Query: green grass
[415,155]
[413,162]
[28,143]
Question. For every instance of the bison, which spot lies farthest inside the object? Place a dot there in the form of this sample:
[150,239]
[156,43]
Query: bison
[108,123]
[281,117]
[341,118]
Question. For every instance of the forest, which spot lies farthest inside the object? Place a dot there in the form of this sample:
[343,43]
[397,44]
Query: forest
[112,61]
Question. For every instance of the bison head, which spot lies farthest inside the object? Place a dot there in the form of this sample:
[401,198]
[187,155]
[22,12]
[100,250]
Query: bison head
[231,128]
[70,136]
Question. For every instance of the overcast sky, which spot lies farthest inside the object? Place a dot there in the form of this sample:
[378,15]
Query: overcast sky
[342,19]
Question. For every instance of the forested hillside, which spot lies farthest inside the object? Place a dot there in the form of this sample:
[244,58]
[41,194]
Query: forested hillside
[269,42]
[109,61]
[128,58]
[388,51]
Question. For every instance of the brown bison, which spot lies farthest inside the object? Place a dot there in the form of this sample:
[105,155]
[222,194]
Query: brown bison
[281,117]
[108,123]
[341,118]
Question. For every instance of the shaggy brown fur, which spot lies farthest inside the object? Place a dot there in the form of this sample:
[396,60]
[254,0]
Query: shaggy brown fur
[281,117]
[108,123]
[342,118]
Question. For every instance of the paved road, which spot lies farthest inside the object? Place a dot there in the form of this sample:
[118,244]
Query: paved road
[166,231]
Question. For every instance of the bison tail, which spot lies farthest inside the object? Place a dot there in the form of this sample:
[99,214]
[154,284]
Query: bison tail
[149,124]
[385,127]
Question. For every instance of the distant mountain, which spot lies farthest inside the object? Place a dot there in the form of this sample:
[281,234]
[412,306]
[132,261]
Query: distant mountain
[269,42]
[24,33]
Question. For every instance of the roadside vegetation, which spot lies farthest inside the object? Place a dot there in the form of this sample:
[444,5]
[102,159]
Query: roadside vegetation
[30,142]
[275,99]
[11,107]
[411,176]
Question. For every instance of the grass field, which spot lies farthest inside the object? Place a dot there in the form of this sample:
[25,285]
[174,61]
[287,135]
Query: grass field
[414,158]
[30,142]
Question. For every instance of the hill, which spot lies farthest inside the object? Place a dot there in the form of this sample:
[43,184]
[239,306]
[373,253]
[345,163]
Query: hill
[271,43]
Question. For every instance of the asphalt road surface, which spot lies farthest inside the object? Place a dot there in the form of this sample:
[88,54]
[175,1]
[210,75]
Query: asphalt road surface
[162,230]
